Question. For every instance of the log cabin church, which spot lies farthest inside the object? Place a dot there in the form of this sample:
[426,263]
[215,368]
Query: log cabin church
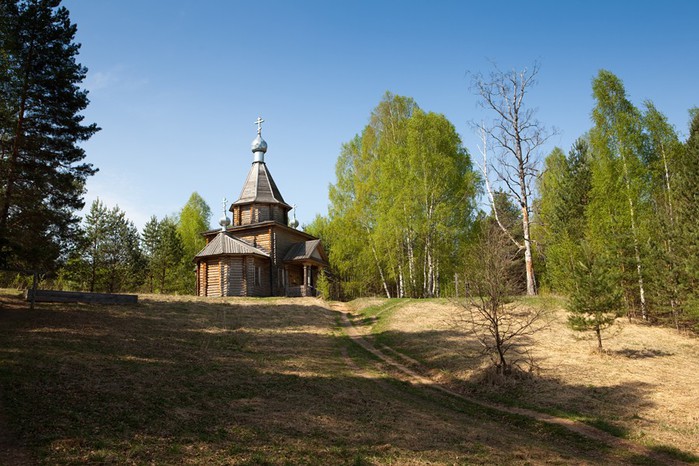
[262,253]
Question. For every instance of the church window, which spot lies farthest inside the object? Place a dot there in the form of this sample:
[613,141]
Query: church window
[258,275]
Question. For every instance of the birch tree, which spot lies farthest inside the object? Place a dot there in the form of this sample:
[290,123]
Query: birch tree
[403,200]
[620,205]
[517,136]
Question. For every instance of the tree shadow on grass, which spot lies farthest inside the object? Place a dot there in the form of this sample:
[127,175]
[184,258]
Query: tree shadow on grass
[170,383]
[644,353]
[454,358]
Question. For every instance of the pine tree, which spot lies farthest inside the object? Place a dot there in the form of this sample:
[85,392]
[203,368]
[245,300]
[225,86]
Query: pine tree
[42,176]
[594,302]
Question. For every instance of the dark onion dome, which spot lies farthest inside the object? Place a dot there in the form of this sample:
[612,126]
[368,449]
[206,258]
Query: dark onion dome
[293,223]
[224,222]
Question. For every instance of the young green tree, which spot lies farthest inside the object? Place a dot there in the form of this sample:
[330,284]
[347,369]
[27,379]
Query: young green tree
[595,301]
[42,176]
[193,220]
[150,245]
[432,201]
[361,247]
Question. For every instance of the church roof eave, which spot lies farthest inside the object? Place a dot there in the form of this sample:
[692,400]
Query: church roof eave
[307,251]
[224,245]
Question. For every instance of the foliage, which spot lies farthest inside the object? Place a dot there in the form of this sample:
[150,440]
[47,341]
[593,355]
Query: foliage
[631,196]
[42,176]
[164,253]
[193,220]
[110,259]
[402,203]
[323,285]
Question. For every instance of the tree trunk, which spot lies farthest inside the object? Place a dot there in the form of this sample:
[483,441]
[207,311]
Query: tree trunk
[531,281]
[378,266]
[19,132]
[634,233]
[411,266]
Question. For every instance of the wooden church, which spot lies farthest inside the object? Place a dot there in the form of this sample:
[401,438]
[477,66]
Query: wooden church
[261,253]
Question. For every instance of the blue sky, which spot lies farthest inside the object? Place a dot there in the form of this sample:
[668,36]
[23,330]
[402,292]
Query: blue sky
[177,85]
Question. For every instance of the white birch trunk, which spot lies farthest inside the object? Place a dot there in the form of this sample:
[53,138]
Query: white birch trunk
[634,233]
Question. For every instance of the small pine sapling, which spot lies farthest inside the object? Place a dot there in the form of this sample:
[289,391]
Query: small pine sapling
[594,303]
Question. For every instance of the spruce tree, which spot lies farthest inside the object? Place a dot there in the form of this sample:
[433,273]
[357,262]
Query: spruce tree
[564,189]
[661,157]
[42,174]
[687,197]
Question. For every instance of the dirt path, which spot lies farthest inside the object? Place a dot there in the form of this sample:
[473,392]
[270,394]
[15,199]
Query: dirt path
[575,426]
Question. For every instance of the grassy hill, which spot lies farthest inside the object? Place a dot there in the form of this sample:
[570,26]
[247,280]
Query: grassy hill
[275,381]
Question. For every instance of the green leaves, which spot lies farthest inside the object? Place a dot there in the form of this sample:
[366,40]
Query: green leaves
[402,203]
[194,219]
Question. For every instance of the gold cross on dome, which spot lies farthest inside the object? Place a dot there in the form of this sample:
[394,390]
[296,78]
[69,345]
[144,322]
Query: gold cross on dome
[259,122]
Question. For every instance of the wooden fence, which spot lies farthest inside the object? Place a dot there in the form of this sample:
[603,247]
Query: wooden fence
[51,296]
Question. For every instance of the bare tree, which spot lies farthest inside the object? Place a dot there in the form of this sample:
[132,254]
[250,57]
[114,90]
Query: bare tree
[501,328]
[517,135]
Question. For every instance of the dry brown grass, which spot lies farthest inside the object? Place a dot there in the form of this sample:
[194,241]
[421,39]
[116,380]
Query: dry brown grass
[192,381]
[644,386]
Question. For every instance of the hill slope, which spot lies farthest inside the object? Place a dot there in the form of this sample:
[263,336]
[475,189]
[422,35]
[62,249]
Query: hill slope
[185,380]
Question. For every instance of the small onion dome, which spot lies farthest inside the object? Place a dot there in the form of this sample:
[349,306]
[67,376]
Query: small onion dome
[259,145]
[293,223]
[224,222]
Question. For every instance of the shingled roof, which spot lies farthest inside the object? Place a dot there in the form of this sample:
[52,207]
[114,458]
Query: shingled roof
[224,244]
[260,187]
[307,251]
